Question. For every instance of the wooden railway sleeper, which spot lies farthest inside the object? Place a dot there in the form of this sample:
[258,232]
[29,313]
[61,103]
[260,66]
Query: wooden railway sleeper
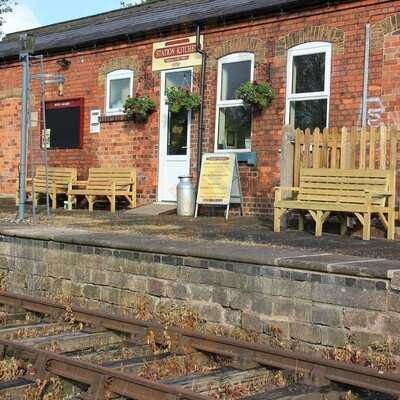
[244,361]
[97,390]
[40,367]
[317,377]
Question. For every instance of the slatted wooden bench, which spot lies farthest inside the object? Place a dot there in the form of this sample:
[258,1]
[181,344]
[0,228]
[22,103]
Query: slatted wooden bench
[343,191]
[108,183]
[59,179]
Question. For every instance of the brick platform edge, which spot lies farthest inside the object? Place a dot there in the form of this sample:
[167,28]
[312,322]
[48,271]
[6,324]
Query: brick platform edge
[318,300]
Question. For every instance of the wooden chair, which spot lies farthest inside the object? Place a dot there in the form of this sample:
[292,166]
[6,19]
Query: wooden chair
[343,191]
[59,179]
[108,183]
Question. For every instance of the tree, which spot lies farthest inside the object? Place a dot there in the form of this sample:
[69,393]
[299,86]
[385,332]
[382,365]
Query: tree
[5,7]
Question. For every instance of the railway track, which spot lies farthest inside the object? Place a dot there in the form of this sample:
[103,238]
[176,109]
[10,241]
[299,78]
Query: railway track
[98,356]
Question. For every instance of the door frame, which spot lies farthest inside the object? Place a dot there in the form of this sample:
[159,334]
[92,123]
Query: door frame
[163,129]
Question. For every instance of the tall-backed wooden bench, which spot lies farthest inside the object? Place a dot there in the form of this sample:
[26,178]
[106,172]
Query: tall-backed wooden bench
[343,191]
[59,179]
[108,183]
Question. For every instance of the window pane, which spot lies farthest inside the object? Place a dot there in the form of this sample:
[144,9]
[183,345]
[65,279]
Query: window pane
[308,73]
[308,114]
[179,79]
[119,92]
[234,128]
[177,133]
[233,76]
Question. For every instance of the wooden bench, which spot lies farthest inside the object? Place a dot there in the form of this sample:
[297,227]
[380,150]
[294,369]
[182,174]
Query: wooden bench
[108,183]
[343,191]
[59,179]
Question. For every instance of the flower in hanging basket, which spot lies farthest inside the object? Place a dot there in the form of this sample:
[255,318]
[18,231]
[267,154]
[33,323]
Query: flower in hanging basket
[257,95]
[179,99]
[139,108]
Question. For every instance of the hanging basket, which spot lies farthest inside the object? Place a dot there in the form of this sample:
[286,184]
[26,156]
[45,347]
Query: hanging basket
[180,100]
[256,95]
[139,108]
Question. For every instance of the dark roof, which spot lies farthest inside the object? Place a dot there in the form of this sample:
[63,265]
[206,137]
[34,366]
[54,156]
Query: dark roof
[132,22]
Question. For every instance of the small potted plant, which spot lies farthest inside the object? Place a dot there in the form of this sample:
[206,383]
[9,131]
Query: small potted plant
[179,99]
[257,95]
[139,108]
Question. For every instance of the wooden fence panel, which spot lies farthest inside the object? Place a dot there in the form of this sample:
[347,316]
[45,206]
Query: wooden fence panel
[367,148]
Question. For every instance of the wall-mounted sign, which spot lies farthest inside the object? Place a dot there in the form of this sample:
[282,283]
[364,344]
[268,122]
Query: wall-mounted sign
[176,53]
[94,121]
[219,181]
[46,138]
[34,119]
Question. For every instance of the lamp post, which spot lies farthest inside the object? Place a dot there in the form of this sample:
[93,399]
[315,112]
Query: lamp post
[46,79]
[26,48]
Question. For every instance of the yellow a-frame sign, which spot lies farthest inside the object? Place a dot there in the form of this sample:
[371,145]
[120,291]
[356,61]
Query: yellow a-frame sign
[219,182]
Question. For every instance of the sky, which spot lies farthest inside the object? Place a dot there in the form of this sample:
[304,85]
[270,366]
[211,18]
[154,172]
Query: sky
[34,13]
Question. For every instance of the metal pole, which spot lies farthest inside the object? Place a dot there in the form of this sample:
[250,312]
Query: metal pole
[31,158]
[23,134]
[202,95]
[366,76]
[46,166]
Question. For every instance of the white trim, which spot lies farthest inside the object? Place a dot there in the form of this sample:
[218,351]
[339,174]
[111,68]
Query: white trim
[304,49]
[162,150]
[118,74]
[231,58]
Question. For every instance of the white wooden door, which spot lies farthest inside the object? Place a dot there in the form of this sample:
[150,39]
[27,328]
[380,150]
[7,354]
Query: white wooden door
[174,156]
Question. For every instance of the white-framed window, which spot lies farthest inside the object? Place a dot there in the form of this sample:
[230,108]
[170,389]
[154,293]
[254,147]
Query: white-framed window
[233,120]
[308,85]
[119,88]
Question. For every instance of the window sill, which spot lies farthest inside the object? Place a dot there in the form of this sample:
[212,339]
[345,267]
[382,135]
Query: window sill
[106,119]
[243,156]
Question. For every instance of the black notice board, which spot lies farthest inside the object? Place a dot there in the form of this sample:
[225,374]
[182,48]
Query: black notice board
[65,125]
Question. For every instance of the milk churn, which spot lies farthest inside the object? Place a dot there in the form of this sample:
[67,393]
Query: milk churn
[186,197]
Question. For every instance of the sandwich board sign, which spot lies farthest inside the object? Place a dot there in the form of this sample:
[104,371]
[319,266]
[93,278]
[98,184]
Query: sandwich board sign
[219,182]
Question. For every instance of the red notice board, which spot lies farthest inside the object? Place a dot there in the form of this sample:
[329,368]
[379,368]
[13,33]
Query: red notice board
[65,119]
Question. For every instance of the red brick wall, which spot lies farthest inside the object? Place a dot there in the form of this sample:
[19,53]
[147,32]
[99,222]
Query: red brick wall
[126,143]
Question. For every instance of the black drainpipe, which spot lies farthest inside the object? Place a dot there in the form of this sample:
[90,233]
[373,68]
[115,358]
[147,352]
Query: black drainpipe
[202,93]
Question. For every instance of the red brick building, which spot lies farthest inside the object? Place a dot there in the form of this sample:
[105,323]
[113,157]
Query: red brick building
[312,53]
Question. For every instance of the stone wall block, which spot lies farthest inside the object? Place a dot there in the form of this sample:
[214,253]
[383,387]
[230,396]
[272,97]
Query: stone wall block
[283,307]
[91,292]
[262,304]
[306,332]
[354,318]
[282,287]
[201,293]
[302,311]
[252,322]
[334,337]
[221,296]
[349,296]
[157,287]
[327,315]
[240,300]
[136,283]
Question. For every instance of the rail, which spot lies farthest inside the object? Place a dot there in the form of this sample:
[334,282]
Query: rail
[316,368]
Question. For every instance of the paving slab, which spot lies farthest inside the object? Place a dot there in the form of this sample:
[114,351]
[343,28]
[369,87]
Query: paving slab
[264,255]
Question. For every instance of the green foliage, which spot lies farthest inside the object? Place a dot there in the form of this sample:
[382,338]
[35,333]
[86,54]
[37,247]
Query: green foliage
[5,7]
[182,99]
[139,107]
[256,94]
